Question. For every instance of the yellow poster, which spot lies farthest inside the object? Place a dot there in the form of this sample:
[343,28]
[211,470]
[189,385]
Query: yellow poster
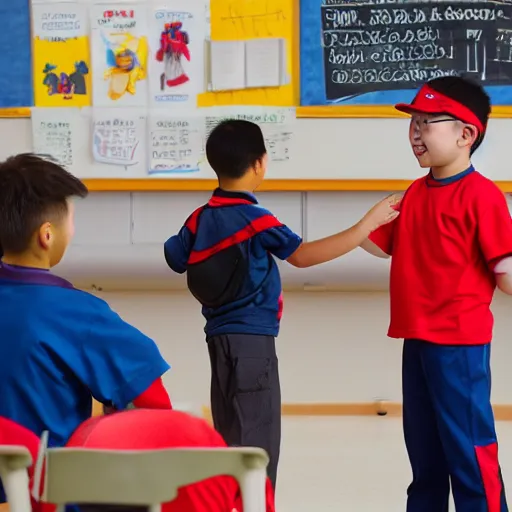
[234,20]
[61,59]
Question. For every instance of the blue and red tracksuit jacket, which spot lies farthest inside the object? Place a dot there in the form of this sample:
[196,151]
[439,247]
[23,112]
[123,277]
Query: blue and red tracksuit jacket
[232,218]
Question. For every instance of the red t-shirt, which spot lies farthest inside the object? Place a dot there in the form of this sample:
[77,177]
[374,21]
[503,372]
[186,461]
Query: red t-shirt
[444,245]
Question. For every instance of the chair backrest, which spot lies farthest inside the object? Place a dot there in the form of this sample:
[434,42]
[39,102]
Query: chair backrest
[14,463]
[148,478]
[13,457]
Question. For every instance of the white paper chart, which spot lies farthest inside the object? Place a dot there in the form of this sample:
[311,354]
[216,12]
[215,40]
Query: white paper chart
[276,123]
[119,138]
[175,144]
[53,131]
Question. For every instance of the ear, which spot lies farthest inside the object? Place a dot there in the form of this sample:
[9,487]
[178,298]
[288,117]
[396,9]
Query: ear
[469,135]
[45,236]
[260,166]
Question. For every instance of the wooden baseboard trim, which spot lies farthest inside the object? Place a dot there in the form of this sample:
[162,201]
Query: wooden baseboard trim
[502,412]
[380,408]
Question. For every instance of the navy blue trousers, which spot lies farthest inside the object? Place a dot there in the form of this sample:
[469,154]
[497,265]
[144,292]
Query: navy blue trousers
[449,428]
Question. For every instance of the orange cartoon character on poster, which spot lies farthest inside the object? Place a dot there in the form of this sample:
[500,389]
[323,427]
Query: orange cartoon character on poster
[126,64]
[173,47]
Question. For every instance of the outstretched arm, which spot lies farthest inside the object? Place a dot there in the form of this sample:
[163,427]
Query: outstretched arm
[332,247]
[373,249]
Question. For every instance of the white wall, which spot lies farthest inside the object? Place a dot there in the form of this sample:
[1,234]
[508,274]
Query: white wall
[332,348]
[321,149]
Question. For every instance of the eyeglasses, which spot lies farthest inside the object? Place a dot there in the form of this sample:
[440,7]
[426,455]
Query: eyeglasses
[422,123]
[433,121]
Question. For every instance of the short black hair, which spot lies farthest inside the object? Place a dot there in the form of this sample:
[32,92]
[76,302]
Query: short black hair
[468,93]
[33,189]
[233,147]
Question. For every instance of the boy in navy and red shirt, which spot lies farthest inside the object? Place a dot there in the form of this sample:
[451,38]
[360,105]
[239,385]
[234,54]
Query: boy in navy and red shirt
[60,346]
[227,248]
[450,247]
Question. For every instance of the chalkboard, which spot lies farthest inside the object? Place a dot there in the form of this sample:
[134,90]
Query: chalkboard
[380,51]
[15,54]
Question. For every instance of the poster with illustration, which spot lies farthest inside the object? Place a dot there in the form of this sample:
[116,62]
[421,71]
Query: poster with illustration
[61,62]
[176,67]
[119,48]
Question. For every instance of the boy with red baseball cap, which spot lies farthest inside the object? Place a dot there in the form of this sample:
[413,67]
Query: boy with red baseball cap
[450,247]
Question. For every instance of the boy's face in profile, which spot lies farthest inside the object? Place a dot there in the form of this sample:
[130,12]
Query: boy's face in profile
[438,139]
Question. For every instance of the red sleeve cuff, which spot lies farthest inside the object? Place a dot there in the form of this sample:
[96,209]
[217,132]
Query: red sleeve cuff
[155,397]
[383,238]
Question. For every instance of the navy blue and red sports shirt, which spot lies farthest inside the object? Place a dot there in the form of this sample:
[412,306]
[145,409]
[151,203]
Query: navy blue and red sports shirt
[228,219]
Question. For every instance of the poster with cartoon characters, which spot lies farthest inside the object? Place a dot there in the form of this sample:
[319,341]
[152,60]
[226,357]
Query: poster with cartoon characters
[176,67]
[119,48]
[61,64]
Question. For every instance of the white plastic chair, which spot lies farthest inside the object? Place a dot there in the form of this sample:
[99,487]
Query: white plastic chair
[14,462]
[146,478]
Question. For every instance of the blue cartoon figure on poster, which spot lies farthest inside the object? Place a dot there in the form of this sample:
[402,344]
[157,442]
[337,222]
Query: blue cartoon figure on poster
[63,83]
[78,77]
[51,80]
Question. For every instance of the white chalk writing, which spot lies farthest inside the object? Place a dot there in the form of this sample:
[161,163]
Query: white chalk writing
[388,75]
[360,37]
[336,18]
[371,45]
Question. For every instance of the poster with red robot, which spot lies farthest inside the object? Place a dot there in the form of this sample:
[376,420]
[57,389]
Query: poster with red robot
[177,41]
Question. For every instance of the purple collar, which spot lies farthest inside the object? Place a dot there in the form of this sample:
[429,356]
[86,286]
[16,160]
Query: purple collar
[28,275]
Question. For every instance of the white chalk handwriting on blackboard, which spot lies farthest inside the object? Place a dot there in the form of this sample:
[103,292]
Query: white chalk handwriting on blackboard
[382,45]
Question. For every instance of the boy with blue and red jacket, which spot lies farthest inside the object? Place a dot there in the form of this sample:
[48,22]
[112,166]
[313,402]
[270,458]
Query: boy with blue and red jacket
[227,248]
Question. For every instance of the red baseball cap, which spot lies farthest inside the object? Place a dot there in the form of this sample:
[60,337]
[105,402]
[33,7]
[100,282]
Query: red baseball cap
[430,101]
